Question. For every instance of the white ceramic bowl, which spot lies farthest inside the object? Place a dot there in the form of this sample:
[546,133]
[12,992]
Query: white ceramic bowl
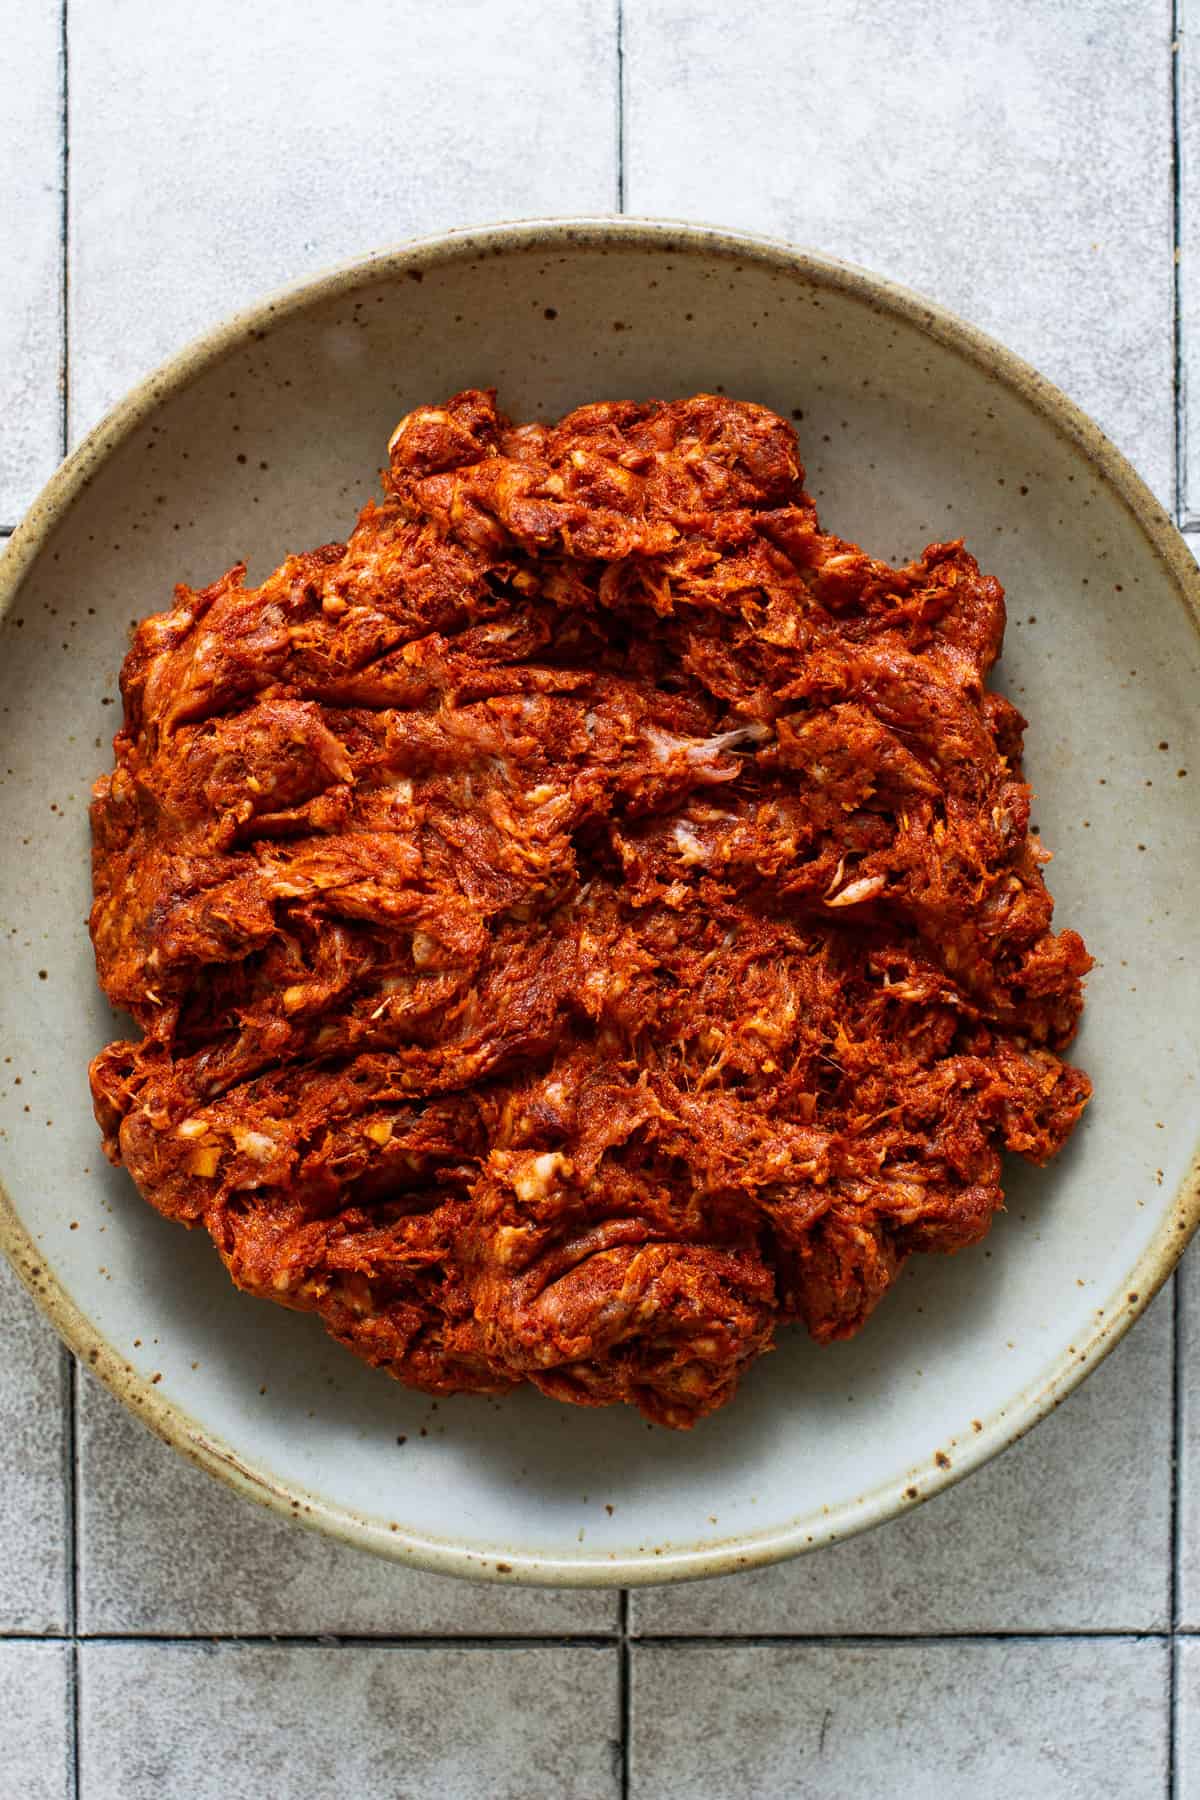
[263,438]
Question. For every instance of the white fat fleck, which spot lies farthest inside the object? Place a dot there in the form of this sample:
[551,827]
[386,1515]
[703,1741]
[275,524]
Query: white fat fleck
[431,414]
[509,1242]
[665,745]
[662,745]
[191,1128]
[753,732]
[538,796]
[424,949]
[535,1180]
[865,888]
[254,1144]
[603,984]
[402,791]
[691,850]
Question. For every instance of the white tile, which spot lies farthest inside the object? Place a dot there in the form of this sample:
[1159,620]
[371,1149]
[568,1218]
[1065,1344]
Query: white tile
[236,1569]
[1068,1530]
[1056,1719]
[220,152]
[1187,1719]
[237,1722]
[30,252]
[1189,1442]
[1012,163]
[34,1707]
[33,1497]
[1189,256]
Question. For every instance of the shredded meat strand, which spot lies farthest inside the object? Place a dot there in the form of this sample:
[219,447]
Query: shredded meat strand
[583,920]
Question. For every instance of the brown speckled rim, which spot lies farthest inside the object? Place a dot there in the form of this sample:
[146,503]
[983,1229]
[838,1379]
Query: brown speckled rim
[1008,1423]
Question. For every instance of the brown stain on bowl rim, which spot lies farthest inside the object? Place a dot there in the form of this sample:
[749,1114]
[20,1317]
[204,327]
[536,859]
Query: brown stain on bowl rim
[413,261]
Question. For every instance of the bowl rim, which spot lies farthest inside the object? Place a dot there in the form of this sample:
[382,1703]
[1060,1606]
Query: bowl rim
[1007,1423]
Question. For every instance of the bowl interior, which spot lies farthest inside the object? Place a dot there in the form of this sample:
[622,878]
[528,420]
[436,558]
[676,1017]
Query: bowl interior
[272,447]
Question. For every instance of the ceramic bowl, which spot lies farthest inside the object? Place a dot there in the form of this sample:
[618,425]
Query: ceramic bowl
[264,437]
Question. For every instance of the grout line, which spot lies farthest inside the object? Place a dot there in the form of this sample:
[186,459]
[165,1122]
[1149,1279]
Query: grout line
[1182,517]
[64,365]
[1186,516]
[620,106]
[74,1779]
[814,1640]
[73,1480]
[1175,1531]
[595,1640]
[1181,470]
[623,1692]
[71,1447]
[332,1640]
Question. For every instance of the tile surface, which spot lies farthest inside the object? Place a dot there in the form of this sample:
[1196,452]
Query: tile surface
[237,1568]
[33,1498]
[1069,1530]
[1013,162]
[1188,53]
[1187,1719]
[30,253]
[944,143]
[1189,1444]
[1056,1719]
[236,1722]
[257,143]
[34,1704]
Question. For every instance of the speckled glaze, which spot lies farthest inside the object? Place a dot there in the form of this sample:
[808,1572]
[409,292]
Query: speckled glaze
[260,439]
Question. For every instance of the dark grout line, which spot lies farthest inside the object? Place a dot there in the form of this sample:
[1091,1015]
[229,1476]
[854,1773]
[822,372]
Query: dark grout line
[1183,513]
[330,1640]
[623,1692]
[64,364]
[620,106]
[867,1639]
[71,1434]
[595,1640]
[73,1484]
[74,1777]
[1175,1527]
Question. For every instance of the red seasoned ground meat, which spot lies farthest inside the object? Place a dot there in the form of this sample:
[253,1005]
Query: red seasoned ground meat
[583,921]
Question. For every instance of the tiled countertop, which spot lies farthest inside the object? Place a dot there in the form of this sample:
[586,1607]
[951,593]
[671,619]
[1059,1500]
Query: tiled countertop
[1036,168]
